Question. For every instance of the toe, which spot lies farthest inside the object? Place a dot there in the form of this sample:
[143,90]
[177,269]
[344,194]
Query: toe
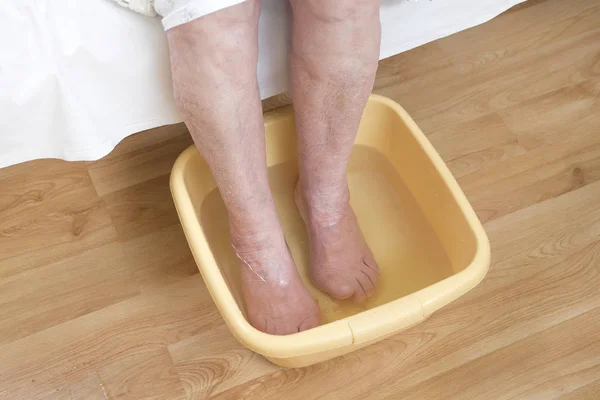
[365,287]
[371,264]
[338,287]
[285,329]
[369,268]
[309,323]
[291,326]
[262,324]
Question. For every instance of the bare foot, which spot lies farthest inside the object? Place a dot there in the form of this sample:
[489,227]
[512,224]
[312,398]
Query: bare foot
[277,302]
[342,264]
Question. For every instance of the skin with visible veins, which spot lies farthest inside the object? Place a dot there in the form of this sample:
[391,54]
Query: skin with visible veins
[335,49]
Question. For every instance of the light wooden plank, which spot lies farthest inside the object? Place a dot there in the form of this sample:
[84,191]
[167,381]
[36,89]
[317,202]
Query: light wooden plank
[499,64]
[463,139]
[160,258]
[108,338]
[542,366]
[52,294]
[128,168]
[214,361]
[49,210]
[142,208]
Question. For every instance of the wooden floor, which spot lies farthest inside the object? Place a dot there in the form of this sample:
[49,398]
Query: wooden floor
[100,297]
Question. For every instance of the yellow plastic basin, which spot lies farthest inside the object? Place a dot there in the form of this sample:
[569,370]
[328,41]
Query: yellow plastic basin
[428,242]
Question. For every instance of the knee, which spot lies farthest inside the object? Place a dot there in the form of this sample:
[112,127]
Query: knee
[222,45]
[338,39]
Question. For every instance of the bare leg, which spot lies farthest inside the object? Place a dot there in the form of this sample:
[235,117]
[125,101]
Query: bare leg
[213,61]
[334,60]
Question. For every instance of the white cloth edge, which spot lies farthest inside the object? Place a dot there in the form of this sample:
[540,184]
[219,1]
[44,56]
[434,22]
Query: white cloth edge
[194,10]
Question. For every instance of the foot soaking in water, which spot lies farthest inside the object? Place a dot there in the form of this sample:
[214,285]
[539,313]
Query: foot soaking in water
[335,49]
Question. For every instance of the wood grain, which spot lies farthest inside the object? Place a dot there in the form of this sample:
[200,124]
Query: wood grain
[213,362]
[124,168]
[39,221]
[100,297]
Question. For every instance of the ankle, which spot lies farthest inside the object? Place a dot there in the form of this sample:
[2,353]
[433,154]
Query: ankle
[323,204]
[255,238]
